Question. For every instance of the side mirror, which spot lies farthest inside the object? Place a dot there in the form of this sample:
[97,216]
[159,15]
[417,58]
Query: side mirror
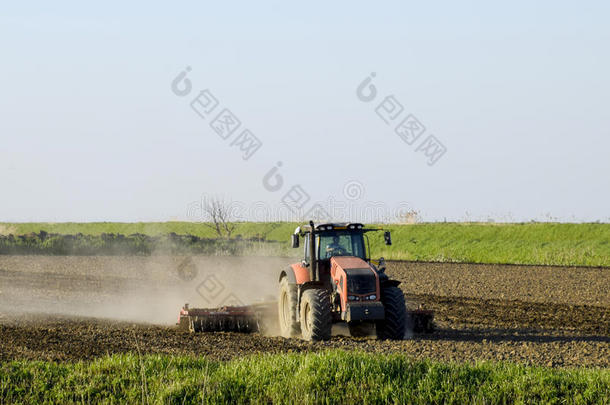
[387,238]
[295,240]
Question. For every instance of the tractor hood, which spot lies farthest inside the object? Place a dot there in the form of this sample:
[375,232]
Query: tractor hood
[358,287]
[349,262]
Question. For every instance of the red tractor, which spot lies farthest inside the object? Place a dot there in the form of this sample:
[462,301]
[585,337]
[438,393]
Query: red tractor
[337,282]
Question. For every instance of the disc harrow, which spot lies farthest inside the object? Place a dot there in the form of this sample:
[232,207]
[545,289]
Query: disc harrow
[242,319]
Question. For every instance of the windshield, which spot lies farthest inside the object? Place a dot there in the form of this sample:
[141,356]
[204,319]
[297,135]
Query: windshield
[338,243]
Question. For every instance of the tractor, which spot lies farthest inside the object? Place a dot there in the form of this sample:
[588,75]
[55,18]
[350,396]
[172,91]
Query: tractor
[336,281]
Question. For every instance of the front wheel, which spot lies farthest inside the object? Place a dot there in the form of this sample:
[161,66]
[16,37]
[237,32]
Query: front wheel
[316,315]
[395,323]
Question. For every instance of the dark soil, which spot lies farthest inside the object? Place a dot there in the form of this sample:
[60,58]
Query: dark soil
[550,316]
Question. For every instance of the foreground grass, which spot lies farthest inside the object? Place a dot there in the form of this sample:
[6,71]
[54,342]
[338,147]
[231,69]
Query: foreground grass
[333,376]
[525,243]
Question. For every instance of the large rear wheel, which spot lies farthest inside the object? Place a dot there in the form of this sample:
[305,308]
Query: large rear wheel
[287,309]
[395,323]
[316,316]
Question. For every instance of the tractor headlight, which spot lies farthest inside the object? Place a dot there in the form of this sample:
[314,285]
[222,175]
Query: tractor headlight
[372,297]
[352,298]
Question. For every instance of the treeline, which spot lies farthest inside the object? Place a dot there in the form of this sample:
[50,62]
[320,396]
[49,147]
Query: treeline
[44,243]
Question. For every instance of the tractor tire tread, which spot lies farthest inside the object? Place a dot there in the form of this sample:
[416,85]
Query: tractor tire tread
[293,329]
[394,325]
[321,313]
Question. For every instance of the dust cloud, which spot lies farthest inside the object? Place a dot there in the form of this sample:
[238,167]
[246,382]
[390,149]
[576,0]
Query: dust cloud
[148,289]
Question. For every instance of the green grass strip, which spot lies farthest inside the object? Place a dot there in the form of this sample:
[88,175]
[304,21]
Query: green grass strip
[328,377]
[522,243]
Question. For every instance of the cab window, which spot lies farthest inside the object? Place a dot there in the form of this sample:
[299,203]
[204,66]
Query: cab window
[340,244]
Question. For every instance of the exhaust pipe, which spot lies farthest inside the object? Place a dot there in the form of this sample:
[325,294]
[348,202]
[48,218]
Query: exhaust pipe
[313,266]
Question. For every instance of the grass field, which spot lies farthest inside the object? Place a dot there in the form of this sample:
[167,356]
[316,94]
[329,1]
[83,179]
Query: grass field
[524,243]
[329,377]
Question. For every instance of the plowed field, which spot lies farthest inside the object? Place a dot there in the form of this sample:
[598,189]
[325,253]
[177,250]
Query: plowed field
[71,308]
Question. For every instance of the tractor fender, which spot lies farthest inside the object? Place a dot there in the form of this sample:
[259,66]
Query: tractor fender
[385,281]
[390,283]
[288,273]
[301,273]
[296,273]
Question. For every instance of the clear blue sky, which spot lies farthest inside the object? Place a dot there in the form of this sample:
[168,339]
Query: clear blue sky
[518,94]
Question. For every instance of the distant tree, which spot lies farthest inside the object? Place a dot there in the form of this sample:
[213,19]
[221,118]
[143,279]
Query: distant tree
[219,211]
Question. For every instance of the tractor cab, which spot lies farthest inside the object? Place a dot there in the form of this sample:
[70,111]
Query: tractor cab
[335,240]
[329,241]
[340,241]
[325,241]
